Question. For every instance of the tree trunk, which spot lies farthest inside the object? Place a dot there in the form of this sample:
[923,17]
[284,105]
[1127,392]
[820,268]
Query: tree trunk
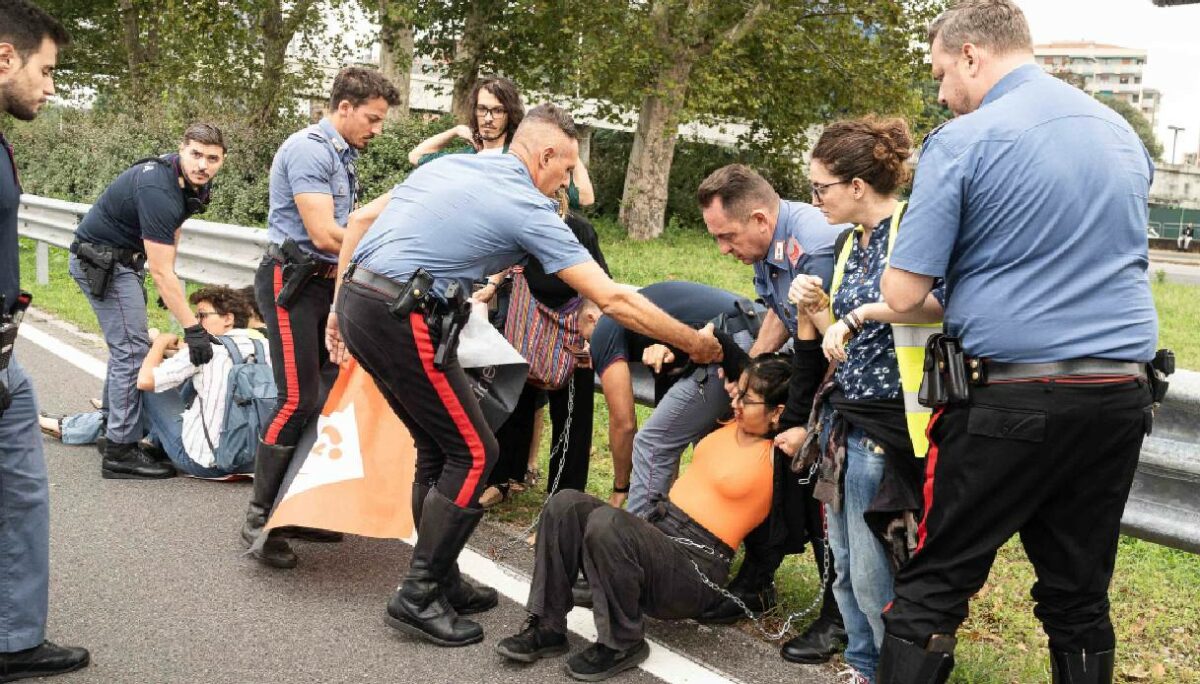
[396,55]
[467,59]
[644,202]
[277,33]
[134,56]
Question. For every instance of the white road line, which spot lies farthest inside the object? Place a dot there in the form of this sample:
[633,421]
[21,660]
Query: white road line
[665,663]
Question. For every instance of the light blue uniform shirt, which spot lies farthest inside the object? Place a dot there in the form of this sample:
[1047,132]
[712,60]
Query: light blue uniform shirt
[802,244]
[1033,208]
[316,159]
[466,217]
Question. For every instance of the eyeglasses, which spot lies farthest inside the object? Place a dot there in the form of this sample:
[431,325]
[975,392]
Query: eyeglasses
[496,112]
[818,189]
[740,398]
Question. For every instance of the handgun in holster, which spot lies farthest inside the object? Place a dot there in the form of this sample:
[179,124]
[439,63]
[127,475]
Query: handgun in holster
[10,321]
[457,311]
[944,377]
[97,263]
[1157,371]
[415,296]
[298,268]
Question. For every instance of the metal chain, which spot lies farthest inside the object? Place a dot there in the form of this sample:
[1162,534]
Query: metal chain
[499,552]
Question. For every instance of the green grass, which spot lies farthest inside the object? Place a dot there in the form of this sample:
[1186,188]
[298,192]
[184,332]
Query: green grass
[1153,590]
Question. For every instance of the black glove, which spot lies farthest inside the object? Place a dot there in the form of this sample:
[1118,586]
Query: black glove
[5,398]
[733,359]
[199,344]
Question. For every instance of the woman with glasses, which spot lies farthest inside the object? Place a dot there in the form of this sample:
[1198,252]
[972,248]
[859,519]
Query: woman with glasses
[871,427]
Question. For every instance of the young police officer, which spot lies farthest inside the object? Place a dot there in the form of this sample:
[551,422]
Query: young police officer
[784,240]
[137,221]
[29,42]
[405,296]
[313,191]
[1032,206]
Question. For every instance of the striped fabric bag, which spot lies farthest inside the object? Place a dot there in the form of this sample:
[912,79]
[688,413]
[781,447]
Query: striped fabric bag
[548,339]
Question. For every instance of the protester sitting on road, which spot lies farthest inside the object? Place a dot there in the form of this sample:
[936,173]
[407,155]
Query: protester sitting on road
[655,567]
[190,432]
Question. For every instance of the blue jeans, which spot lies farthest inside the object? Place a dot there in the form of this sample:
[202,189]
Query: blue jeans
[864,574]
[24,518]
[164,412]
[82,428]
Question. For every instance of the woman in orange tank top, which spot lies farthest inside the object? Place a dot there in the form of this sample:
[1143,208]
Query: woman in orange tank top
[658,566]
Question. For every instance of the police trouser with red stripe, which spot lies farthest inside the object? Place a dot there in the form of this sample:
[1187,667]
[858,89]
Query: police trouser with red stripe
[455,447]
[297,337]
[1050,461]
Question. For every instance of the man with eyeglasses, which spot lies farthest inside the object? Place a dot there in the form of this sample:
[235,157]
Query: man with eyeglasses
[496,110]
[782,239]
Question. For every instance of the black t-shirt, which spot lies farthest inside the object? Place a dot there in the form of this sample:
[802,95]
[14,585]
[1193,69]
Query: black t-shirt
[692,303]
[145,202]
[10,202]
[549,289]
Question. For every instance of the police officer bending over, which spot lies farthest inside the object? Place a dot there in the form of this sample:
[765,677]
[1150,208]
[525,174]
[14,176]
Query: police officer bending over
[29,42]
[404,301]
[1032,205]
[313,191]
[137,221]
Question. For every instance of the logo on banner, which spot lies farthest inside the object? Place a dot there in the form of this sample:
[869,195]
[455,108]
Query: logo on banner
[334,457]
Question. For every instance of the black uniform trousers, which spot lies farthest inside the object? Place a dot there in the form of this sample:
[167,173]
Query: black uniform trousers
[298,353]
[1050,461]
[455,447]
[634,567]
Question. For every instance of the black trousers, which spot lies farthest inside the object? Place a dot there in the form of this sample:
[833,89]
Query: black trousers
[298,353]
[1052,462]
[516,435]
[633,566]
[455,447]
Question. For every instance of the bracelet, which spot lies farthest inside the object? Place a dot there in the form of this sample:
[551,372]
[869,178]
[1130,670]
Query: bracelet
[855,327]
[620,490]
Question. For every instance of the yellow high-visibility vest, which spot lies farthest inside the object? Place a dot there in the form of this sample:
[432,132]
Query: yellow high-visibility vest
[909,339]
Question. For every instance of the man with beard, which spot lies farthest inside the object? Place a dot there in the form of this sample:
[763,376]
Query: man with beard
[135,223]
[29,42]
[314,188]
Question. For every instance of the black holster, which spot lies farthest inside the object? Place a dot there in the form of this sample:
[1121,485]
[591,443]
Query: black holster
[97,263]
[944,380]
[10,321]
[452,315]
[297,269]
[1157,371]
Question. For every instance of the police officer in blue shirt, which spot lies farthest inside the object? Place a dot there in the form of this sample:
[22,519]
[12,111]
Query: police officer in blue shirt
[1032,206]
[783,240]
[134,223]
[313,190]
[406,280]
[29,42]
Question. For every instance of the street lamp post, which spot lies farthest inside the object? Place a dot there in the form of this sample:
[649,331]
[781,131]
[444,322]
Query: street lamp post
[1174,139]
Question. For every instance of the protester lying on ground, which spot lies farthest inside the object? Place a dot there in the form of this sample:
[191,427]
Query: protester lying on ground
[653,566]
[191,433]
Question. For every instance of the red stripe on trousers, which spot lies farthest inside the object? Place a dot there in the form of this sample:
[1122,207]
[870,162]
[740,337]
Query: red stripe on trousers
[930,464]
[454,407]
[289,366]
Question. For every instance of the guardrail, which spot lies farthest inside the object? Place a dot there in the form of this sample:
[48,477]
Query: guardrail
[1163,507]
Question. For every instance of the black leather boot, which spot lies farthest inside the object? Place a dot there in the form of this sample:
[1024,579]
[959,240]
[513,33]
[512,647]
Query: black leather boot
[44,660]
[821,641]
[419,607]
[129,462]
[903,662]
[727,612]
[466,597]
[1082,668]
[270,466]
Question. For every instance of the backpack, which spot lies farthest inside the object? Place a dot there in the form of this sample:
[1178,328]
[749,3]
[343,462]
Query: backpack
[249,399]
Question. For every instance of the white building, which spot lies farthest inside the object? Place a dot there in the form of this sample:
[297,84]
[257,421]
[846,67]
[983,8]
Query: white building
[1176,185]
[1102,69]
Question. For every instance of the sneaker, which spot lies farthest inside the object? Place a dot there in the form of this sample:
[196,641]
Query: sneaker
[852,676]
[598,662]
[532,643]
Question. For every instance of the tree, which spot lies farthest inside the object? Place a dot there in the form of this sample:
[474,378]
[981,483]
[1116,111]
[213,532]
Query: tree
[396,49]
[1138,122]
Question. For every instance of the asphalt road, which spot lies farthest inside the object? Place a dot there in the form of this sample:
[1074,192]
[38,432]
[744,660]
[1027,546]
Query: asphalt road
[151,577]
[1183,271]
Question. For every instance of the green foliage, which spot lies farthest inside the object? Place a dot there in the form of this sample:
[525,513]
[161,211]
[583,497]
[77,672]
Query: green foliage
[1138,121]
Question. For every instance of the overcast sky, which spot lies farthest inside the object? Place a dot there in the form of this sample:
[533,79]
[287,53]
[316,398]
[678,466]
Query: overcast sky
[1170,36]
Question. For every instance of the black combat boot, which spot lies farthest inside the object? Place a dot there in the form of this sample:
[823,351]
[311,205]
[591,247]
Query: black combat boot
[419,607]
[903,662]
[270,466]
[1082,668]
[466,597]
[727,611]
[129,462]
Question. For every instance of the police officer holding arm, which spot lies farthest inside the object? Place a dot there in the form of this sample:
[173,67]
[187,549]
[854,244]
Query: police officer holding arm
[1031,204]
[136,222]
[403,299]
[29,43]
[313,189]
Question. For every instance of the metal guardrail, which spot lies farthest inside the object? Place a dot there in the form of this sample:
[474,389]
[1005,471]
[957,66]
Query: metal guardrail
[1163,507]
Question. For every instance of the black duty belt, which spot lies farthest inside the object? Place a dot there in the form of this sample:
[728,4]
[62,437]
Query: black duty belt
[130,258]
[996,371]
[373,281]
[325,270]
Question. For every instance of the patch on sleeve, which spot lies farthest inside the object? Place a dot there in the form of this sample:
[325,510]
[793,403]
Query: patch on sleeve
[794,250]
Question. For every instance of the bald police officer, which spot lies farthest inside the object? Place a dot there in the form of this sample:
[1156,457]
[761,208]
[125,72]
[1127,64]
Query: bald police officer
[1032,205]
[447,225]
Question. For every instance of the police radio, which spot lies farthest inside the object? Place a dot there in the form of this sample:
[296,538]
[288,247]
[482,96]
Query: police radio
[10,321]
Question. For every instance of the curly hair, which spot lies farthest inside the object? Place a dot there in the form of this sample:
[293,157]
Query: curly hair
[873,149]
[225,300]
